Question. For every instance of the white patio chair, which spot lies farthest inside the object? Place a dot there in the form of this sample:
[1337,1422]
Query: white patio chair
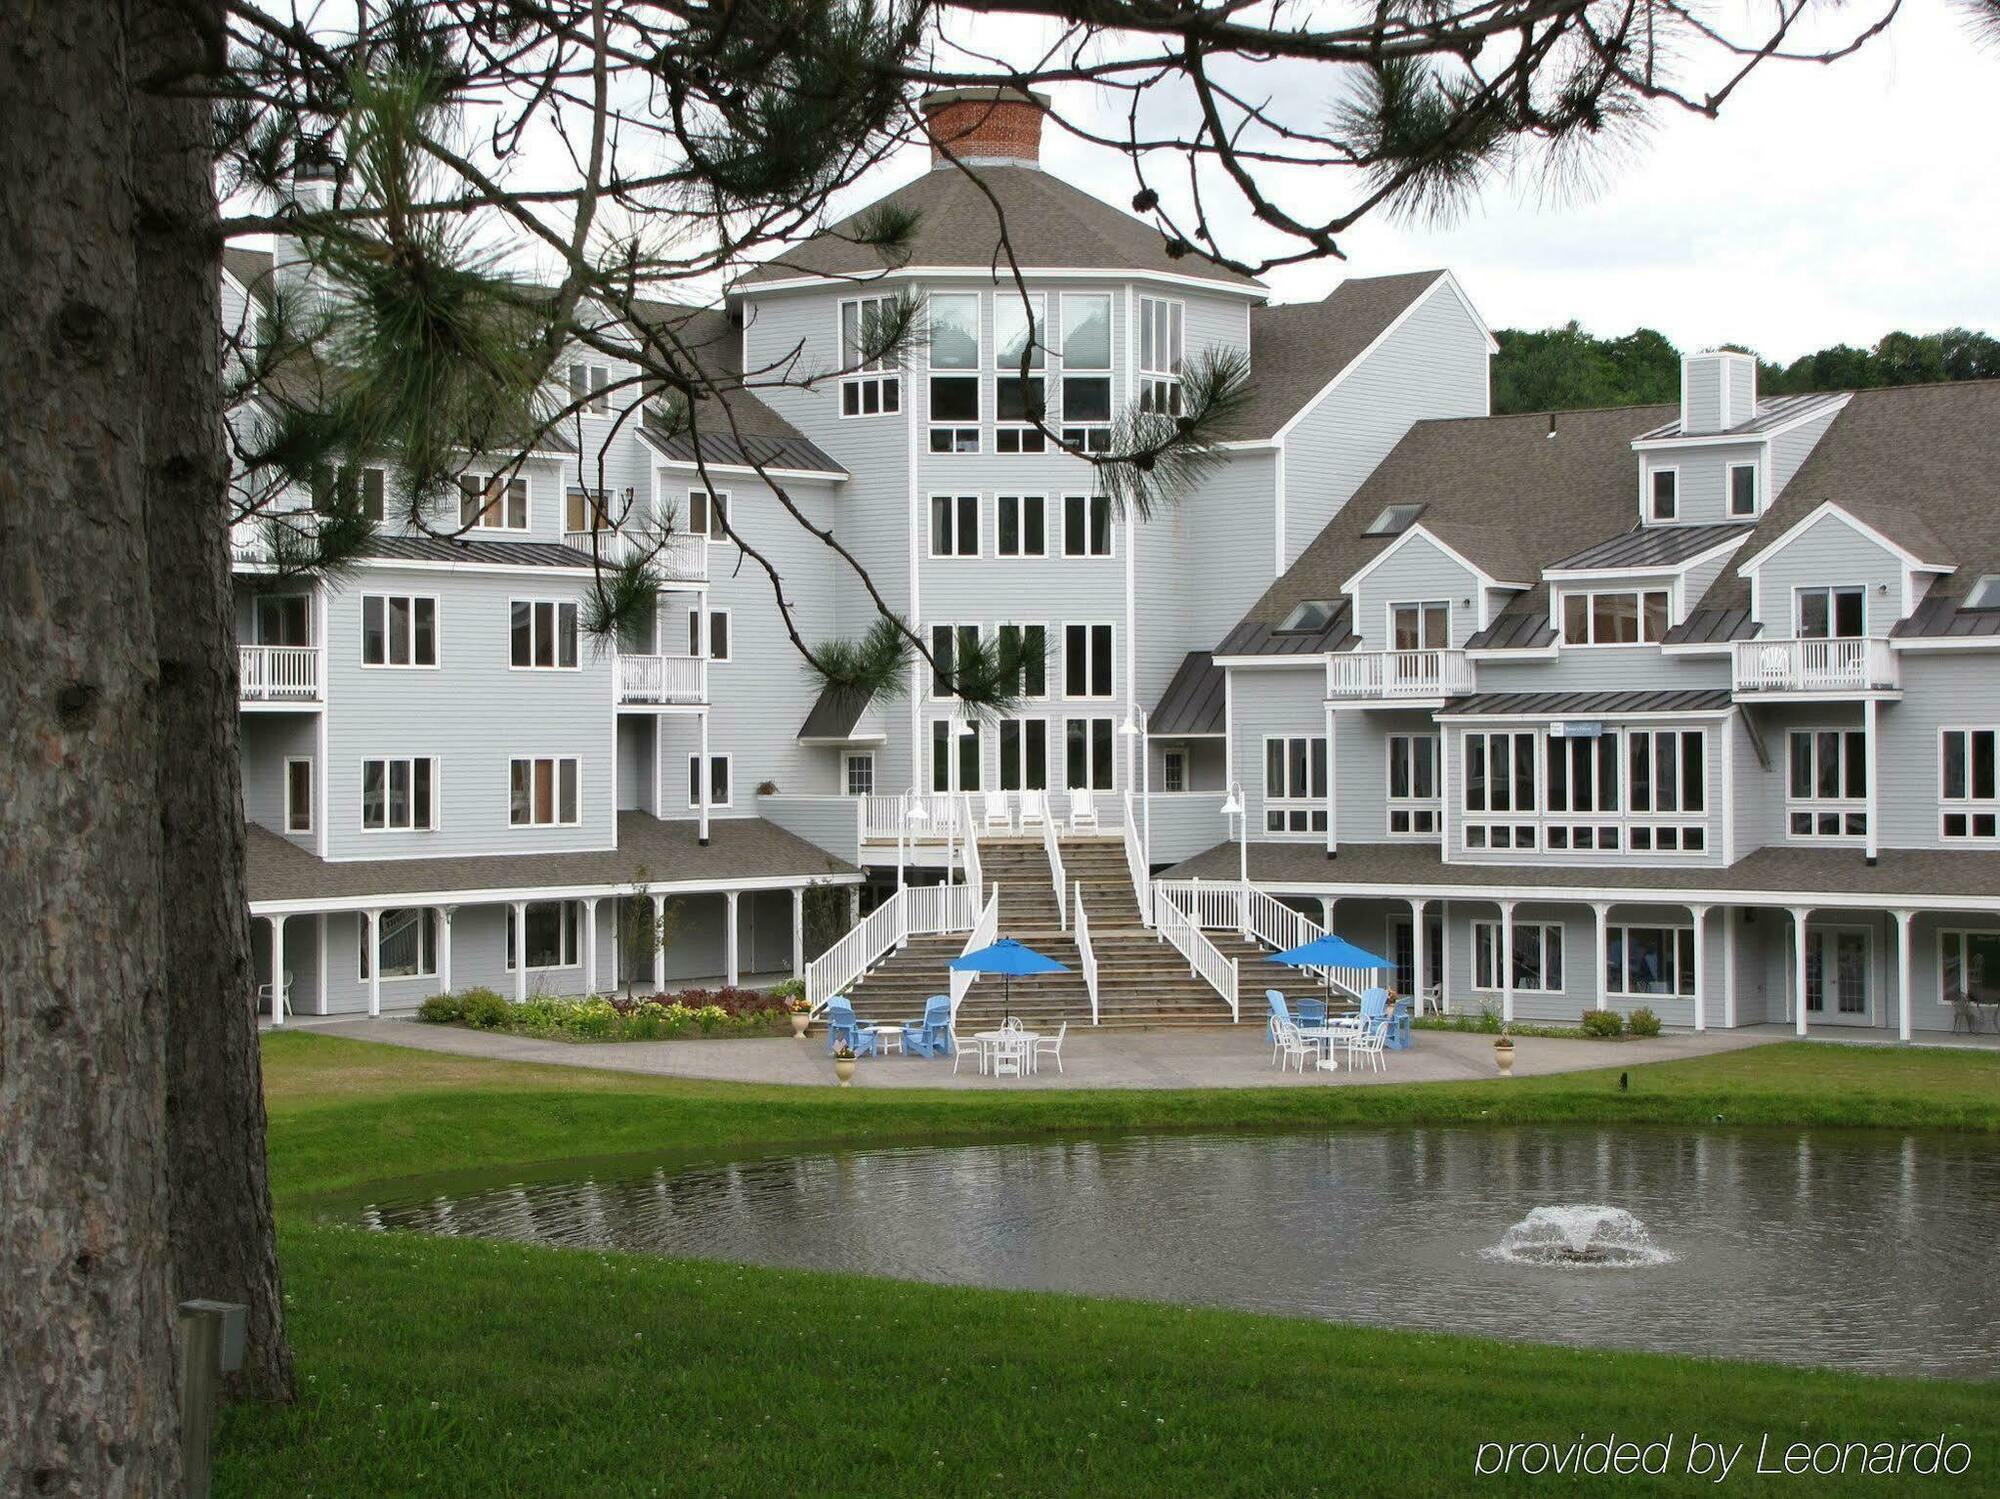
[999,812]
[1368,1042]
[1010,1058]
[1034,809]
[264,996]
[1082,810]
[1050,1046]
[1294,1046]
[958,1047]
[1431,1001]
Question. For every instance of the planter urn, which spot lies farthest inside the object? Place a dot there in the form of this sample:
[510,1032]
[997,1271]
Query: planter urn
[843,1068]
[1503,1057]
[800,1020]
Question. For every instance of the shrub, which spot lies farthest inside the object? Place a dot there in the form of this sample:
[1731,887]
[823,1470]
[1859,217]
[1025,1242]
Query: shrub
[1603,1023]
[789,990]
[484,1010]
[442,1009]
[1643,1022]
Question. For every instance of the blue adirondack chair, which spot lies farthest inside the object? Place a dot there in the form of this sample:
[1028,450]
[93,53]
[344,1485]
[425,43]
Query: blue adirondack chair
[1399,1026]
[1309,1011]
[931,1036]
[1276,1003]
[842,1026]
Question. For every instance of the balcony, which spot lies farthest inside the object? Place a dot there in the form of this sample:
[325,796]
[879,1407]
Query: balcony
[676,558]
[250,538]
[1398,676]
[662,681]
[1851,667]
[279,676]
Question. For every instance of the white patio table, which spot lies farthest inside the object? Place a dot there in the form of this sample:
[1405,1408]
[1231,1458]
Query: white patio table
[991,1043]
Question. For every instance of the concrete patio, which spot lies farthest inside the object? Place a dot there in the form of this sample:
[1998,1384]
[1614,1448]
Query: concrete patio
[1218,1057]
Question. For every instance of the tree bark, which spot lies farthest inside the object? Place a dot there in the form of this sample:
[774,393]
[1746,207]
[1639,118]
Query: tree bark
[87,1387]
[219,1189]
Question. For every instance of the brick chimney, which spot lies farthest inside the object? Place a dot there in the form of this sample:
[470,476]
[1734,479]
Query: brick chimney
[986,124]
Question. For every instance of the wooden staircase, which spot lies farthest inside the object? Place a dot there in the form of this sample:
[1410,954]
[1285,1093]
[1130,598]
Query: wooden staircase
[1141,980]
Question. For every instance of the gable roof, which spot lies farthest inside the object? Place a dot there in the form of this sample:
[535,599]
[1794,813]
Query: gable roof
[1195,702]
[1772,413]
[251,268]
[1049,224]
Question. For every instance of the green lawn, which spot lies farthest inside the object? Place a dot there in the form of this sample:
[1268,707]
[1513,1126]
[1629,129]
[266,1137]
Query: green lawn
[450,1367]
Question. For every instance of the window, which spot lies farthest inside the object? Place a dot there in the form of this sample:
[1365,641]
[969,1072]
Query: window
[1309,617]
[1832,613]
[408,941]
[954,397]
[954,525]
[858,774]
[1581,782]
[1024,659]
[1087,753]
[1666,782]
[708,514]
[284,619]
[1020,330]
[1020,526]
[399,795]
[588,388]
[493,502]
[1174,770]
[544,632]
[718,634]
[950,644]
[1743,489]
[718,780]
[1644,961]
[1627,617]
[1024,754]
[1087,661]
[869,327]
[360,489]
[1538,956]
[1160,355]
[586,510]
[1419,627]
[1086,363]
[1969,967]
[551,938]
[1665,494]
[1971,800]
[1295,784]
[1826,783]
[298,796]
[398,630]
[1394,520]
[1499,783]
[955,755]
[1413,785]
[1086,525]
[542,792]
[1984,593]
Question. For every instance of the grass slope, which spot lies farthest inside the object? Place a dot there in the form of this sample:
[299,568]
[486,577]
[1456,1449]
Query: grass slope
[440,1367]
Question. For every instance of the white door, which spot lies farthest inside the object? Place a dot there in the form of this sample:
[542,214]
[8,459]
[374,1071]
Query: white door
[1837,976]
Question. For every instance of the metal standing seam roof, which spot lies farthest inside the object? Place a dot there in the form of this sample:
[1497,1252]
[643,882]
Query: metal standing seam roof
[1195,702]
[1774,411]
[1517,629]
[442,549]
[1654,546]
[725,448]
[835,713]
[1588,704]
[1254,637]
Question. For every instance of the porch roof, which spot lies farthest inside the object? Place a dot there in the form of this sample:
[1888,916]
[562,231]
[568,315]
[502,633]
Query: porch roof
[743,852]
[1960,879]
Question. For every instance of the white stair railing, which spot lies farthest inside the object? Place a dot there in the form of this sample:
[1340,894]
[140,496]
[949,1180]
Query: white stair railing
[1086,954]
[1205,959]
[880,931]
[1272,922]
[1213,906]
[1136,865]
[1052,846]
[969,858]
[985,932]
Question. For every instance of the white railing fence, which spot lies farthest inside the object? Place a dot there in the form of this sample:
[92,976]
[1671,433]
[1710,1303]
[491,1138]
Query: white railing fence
[880,931]
[937,909]
[1136,865]
[662,679]
[1276,924]
[1212,905]
[1086,954]
[1052,846]
[1858,663]
[985,932]
[968,853]
[1177,927]
[278,673]
[1433,673]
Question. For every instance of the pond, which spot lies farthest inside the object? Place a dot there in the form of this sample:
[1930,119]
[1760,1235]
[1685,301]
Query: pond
[1858,1251]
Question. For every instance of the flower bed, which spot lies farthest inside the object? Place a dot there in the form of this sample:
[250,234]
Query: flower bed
[650,1017]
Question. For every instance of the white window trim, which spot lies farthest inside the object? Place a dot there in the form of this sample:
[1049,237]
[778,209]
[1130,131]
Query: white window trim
[437,633]
[1625,954]
[694,791]
[715,501]
[1968,806]
[1020,522]
[515,953]
[1485,819]
[978,499]
[1110,695]
[887,372]
[1946,935]
[1800,590]
[1389,621]
[1312,803]
[1729,469]
[931,693]
[558,821]
[1646,482]
[1025,625]
[977,374]
[486,477]
[1008,368]
[437,794]
[595,403]
[362,955]
[1544,927]
[285,792]
[951,754]
[1059,749]
[848,761]
[1060,366]
[1160,371]
[1592,595]
[1168,758]
[706,617]
[559,605]
[1843,806]
[1392,804]
[1110,529]
[1052,741]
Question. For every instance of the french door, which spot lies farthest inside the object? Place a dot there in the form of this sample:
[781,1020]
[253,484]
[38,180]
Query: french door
[1403,953]
[1837,988]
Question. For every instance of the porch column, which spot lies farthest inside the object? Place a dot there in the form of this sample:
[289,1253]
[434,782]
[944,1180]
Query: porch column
[1507,961]
[1419,941]
[1799,916]
[702,775]
[371,933]
[278,985]
[1903,969]
[854,905]
[1729,920]
[799,932]
[1332,796]
[1700,915]
[1603,910]
[1326,905]
[1869,763]
[730,970]
[444,914]
[659,947]
[590,944]
[520,920]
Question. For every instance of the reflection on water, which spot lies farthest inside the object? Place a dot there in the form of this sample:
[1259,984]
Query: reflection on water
[1864,1252]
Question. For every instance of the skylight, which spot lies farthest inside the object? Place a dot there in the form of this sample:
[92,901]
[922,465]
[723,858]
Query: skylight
[1394,520]
[1984,594]
[1312,615]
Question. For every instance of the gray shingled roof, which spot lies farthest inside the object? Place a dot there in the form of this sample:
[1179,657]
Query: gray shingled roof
[1048,222]
[740,848]
[1653,546]
[1773,411]
[1195,700]
[251,267]
[466,549]
[835,713]
[1588,704]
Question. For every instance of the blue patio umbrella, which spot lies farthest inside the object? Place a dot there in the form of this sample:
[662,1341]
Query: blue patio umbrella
[1008,957]
[1329,952]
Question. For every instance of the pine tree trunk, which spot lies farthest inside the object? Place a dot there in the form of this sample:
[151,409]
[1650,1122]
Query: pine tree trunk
[87,1387]
[220,1197]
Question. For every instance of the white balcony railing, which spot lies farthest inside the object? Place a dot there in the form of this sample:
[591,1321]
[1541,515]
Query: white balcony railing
[662,679]
[278,674]
[1398,674]
[1855,664]
[677,558]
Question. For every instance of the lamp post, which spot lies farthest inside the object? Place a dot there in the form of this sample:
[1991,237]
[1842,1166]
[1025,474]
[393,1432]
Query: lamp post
[1234,807]
[1138,730]
[913,816]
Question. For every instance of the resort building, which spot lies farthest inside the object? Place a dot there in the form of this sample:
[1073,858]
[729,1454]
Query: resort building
[1609,708]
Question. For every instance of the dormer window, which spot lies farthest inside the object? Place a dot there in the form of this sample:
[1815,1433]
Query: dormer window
[1742,490]
[1394,520]
[1665,494]
[1308,618]
[1984,594]
[1626,616]
[588,388]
